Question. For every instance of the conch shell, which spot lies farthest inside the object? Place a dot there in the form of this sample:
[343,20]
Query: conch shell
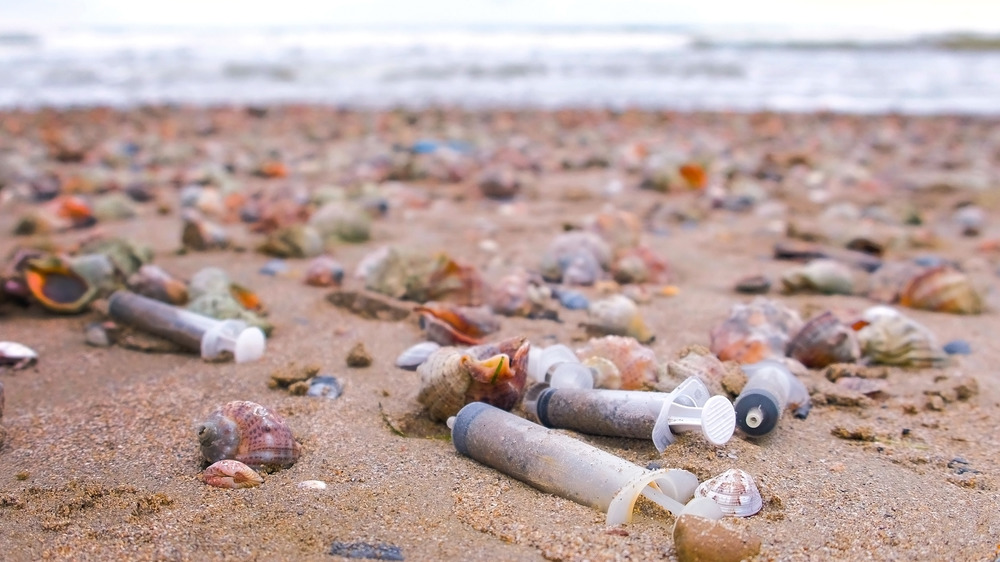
[57,287]
[636,364]
[249,433]
[754,332]
[822,341]
[494,373]
[231,474]
[734,491]
[889,338]
[942,289]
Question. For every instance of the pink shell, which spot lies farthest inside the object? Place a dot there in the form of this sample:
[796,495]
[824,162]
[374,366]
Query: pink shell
[231,474]
[250,433]
[636,363]
[735,492]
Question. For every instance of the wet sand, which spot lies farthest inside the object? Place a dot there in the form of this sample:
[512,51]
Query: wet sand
[101,458]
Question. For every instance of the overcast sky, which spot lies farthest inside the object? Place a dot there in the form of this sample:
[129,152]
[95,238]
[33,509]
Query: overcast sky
[912,15]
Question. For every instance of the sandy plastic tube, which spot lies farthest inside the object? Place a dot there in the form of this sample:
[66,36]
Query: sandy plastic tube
[558,464]
[207,336]
[640,415]
[770,388]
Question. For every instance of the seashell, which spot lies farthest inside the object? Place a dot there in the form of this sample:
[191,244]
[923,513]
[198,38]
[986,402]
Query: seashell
[343,221]
[828,277]
[422,278]
[208,281]
[74,209]
[311,485]
[324,271]
[578,258]
[753,285]
[249,433]
[114,207]
[494,373]
[886,282]
[413,356]
[57,287]
[754,332]
[230,473]
[606,373]
[127,256]
[617,315]
[325,386]
[296,241]
[636,364]
[519,294]
[246,297]
[499,183]
[16,355]
[98,270]
[153,282]
[40,222]
[734,491]
[452,324]
[101,334]
[200,234]
[957,347]
[970,219]
[889,338]
[698,361]
[822,341]
[640,265]
[225,307]
[274,267]
[572,300]
[942,289]
[621,229]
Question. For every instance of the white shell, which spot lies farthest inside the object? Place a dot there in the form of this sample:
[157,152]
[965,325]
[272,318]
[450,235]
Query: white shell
[13,353]
[735,492]
[311,485]
[413,356]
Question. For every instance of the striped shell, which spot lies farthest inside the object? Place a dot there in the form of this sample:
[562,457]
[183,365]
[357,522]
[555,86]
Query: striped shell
[249,433]
[754,332]
[821,276]
[231,474]
[942,289]
[494,373]
[822,341]
[734,491]
[889,338]
[636,364]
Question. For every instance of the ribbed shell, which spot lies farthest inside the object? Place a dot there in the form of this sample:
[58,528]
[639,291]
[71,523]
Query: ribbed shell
[231,474]
[893,339]
[822,341]
[249,433]
[443,383]
[942,289]
[734,491]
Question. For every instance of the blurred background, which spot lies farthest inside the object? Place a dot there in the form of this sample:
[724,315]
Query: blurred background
[845,55]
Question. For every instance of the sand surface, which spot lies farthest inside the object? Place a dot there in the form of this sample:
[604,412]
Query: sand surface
[101,458]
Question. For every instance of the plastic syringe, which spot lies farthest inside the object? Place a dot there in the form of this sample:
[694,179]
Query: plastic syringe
[637,414]
[208,336]
[770,388]
[558,464]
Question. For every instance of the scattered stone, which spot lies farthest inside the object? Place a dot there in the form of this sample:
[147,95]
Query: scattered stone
[753,285]
[359,357]
[325,386]
[101,334]
[298,388]
[697,539]
[935,403]
[873,388]
[860,433]
[284,377]
[311,485]
[377,551]
[958,347]
[839,370]
[734,379]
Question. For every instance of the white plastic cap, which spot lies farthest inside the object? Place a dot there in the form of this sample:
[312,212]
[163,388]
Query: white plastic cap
[250,345]
[245,344]
[570,375]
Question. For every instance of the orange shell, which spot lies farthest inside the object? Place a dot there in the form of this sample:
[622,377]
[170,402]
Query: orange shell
[695,175]
[942,289]
[57,287]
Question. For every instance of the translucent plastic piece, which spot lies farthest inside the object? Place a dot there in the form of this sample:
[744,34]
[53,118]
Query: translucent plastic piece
[558,464]
[210,337]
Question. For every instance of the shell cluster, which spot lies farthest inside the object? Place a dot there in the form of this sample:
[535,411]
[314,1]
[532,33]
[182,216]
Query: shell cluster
[633,366]
[249,433]
[754,332]
[494,373]
[734,491]
[230,473]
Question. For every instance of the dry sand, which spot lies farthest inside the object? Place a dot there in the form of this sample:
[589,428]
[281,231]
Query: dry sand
[101,458]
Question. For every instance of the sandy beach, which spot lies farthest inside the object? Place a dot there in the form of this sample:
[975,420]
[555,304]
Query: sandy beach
[100,458]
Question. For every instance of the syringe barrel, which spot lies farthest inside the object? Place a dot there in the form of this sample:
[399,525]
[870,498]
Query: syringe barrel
[550,461]
[614,413]
[183,327]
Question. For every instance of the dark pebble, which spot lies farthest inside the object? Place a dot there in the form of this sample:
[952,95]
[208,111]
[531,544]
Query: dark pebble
[367,551]
[754,285]
[957,347]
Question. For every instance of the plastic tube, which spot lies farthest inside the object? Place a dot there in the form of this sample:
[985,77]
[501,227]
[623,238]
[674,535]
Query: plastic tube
[210,337]
[636,414]
[770,388]
[559,366]
[558,464]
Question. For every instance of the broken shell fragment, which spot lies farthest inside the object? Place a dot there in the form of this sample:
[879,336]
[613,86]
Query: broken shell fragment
[325,386]
[617,315]
[822,341]
[57,287]
[887,337]
[413,356]
[249,433]
[494,373]
[828,277]
[200,234]
[450,324]
[16,356]
[942,289]
[229,473]
[577,258]
[734,491]
[754,332]
[636,364]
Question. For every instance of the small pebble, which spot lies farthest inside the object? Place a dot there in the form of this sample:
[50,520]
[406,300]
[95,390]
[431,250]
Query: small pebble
[325,386]
[573,300]
[100,334]
[274,267]
[697,539]
[958,347]
[359,357]
[311,485]
[414,356]
[754,285]
[377,551]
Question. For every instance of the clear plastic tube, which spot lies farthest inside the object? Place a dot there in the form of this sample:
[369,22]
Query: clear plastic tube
[210,337]
[770,388]
[558,464]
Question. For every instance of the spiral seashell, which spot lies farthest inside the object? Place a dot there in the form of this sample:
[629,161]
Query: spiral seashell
[828,277]
[413,356]
[636,364]
[230,474]
[734,491]
[249,433]
[754,332]
[822,341]
[617,315]
[889,338]
[941,289]
[494,373]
